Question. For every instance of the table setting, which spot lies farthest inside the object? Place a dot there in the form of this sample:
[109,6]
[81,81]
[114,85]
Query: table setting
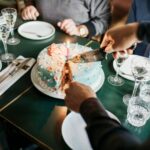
[14,71]
[39,102]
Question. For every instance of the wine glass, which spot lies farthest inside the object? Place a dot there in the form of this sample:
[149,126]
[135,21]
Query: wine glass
[115,79]
[10,15]
[140,69]
[4,34]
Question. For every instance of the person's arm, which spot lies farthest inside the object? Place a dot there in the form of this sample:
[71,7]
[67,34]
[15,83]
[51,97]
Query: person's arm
[99,11]
[103,132]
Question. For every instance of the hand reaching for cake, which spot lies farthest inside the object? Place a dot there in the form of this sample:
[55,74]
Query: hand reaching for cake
[76,94]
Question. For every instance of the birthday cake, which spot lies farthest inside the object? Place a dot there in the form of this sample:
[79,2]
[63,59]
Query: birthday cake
[55,72]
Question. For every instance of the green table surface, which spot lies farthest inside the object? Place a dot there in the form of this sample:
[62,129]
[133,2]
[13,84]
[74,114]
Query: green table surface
[39,116]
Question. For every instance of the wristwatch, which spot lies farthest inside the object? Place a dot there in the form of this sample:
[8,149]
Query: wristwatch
[83,31]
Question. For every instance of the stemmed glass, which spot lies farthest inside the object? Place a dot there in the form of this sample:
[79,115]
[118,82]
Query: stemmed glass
[140,70]
[4,34]
[115,79]
[10,15]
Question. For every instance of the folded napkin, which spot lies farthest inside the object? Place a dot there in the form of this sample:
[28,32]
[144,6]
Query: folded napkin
[11,79]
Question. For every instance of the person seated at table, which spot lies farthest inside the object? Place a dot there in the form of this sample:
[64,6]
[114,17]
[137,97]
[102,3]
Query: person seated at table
[140,11]
[103,132]
[75,17]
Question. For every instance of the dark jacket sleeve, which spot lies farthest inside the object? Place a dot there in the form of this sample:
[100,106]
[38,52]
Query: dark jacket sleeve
[105,133]
[143,32]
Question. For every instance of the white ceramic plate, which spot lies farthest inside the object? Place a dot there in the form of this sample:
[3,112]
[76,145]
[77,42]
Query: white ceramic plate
[59,94]
[74,133]
[125,69]
[36,30]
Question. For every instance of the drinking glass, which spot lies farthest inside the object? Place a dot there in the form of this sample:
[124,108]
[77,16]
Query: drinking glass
[140,69]
[138,111]
[145,91]
[115,79]
[10,15]
[4,34]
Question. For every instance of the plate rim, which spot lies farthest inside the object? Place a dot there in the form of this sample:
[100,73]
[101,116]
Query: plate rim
[51,94]
[31,22]
[131,78]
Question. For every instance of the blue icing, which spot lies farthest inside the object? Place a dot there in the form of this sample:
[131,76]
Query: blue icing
[47,76]
[87,75]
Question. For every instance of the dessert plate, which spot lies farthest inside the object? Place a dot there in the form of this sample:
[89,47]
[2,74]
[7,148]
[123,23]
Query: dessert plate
[59,94]
[36,30]
[125,69]
[74,133]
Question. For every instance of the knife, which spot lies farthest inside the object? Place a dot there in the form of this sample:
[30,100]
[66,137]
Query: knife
[90,56]
[15,69]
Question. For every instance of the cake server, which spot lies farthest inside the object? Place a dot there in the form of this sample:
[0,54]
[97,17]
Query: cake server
[90,56]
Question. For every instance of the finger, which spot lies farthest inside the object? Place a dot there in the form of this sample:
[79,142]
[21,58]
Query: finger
[28,14]
[130,51]
[63,24]
[109,49]
[105,41]
[59,24]
[24,14]
[33,14]
[36,14]
[71,31]
[115,56]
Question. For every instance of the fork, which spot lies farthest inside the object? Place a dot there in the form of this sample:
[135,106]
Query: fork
[38,35]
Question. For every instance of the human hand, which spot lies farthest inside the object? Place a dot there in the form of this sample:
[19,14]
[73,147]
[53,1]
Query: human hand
[120,38]
[29,13]
[76,94]
[69,27]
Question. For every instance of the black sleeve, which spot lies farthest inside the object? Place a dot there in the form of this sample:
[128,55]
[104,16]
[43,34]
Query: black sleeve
[143,32]
[29,2]
[105,133]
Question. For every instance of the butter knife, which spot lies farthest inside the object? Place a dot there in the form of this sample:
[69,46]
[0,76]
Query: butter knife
[90,56]
[15,69]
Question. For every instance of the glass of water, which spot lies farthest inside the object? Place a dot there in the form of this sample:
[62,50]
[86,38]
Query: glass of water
[10,15]
[138,111]
[140,69]
[145,91]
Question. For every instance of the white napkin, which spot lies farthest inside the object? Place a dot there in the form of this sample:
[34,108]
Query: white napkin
[10,80]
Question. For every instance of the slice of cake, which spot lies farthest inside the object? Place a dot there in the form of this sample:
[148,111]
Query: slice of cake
[51,62]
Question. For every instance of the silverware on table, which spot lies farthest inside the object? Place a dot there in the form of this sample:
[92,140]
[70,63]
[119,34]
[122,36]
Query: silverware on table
[34,33]
[17,65]
[90,56]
